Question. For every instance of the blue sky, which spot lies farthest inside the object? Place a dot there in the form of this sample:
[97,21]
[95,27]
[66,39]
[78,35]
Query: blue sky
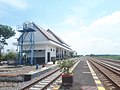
[88,26]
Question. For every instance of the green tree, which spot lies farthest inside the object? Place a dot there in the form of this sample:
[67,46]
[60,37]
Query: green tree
[5,33]
[11,55]
[1,57]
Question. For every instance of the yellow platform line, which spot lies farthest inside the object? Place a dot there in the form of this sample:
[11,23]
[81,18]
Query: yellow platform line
[56,87]
[97,81]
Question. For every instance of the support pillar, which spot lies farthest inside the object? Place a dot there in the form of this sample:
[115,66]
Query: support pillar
[59,52]
[63,54]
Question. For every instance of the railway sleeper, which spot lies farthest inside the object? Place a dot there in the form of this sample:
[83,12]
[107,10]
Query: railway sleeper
[106,82]
[42,83]
[109,84]
[39,86]
[104,79]
[118,76]
[33,88]
[112,88]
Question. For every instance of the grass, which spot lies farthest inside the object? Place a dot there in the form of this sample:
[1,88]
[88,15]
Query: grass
[117,57]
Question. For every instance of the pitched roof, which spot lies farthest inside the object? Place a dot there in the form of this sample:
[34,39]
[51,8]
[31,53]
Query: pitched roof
[51,36]
[57,37]
[47,35]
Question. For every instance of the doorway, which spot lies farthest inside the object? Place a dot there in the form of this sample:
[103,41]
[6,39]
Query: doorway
[48,56]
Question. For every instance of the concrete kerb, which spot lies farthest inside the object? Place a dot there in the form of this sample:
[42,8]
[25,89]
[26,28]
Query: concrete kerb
[38,72]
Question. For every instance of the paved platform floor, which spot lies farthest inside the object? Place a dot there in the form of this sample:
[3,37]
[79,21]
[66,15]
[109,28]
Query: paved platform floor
[82,78]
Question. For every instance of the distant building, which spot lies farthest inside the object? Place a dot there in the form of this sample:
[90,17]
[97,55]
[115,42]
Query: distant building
[48,46]
[74,53]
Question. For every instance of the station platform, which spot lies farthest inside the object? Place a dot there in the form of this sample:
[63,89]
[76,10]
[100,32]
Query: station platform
[84,78]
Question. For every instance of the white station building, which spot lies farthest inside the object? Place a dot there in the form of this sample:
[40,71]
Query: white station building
[48,46]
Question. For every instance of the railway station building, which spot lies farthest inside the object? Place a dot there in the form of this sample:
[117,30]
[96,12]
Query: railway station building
[48,46]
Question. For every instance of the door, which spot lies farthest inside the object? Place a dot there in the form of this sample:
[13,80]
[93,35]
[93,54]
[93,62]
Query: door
[48,56]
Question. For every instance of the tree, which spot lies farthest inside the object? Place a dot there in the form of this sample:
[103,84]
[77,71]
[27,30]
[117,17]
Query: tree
[5,33]
[11,55]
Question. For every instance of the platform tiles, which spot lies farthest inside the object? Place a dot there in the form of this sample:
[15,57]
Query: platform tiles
[96,79]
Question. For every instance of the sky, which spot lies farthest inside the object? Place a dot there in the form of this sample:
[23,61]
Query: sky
[88,26]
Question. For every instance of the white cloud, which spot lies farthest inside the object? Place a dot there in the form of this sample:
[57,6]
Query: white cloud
[70,36]
[15,3]
[106,27]
[99,37]
[112,19]
[99,45]
[7,5]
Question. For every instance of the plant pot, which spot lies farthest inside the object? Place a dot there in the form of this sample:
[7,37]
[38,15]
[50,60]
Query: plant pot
[43,65]
[67,79]
[53,62]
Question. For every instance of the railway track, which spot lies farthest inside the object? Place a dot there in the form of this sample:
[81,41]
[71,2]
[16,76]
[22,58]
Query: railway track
[48,81]
[111,76]
[112,63]
[110,60]
[44,82]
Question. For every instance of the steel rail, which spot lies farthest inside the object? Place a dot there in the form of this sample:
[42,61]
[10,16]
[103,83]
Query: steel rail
[103,69]
[32,84]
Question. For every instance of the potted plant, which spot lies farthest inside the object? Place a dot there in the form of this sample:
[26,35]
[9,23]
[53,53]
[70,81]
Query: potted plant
[67,76]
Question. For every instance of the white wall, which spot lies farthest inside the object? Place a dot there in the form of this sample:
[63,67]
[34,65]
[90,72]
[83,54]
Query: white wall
[39,53]
[39,47]
[39,37]
[52,50]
